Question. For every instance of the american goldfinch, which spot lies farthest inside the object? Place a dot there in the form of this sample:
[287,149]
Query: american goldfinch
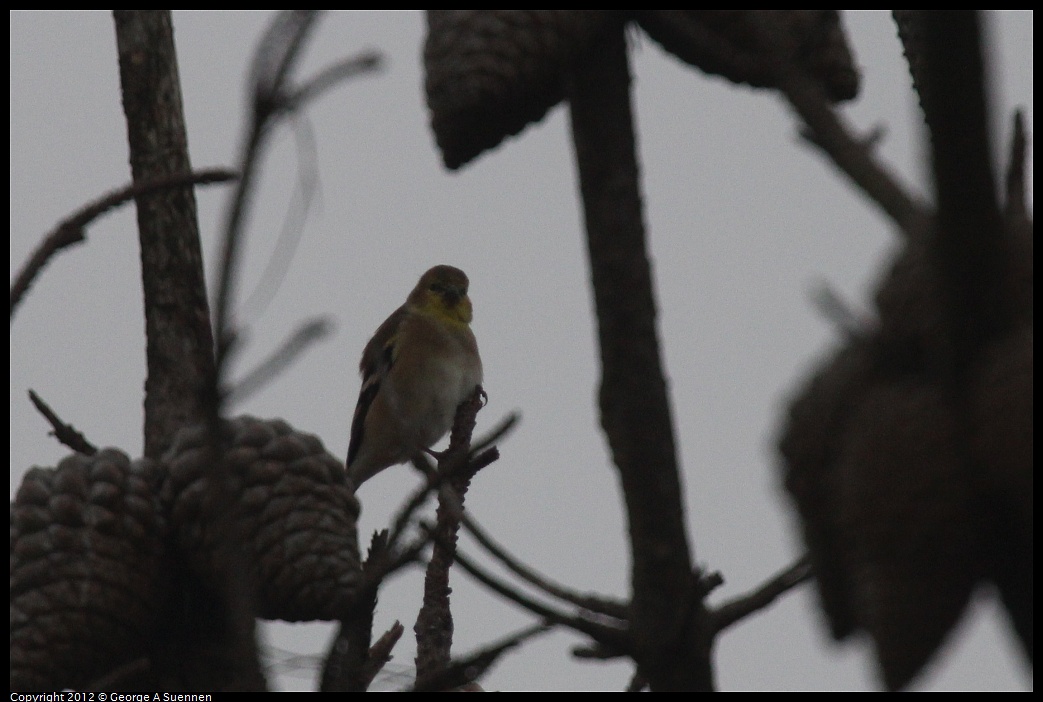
[421,363]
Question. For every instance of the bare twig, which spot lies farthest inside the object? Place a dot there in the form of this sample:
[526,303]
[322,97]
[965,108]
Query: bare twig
[282,45]
[592,603]
[329,77]
[307,187]
[470,668]
[347,668]
[612,636]
[289,236]
[380,651]
[852,156]
[410,507]
[70,231]
[434,624]
[65,433]
[505,426]
[271,75]
[741,607]
[273,63]
[306,335]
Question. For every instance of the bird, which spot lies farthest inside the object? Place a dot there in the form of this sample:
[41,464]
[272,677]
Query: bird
[420,364]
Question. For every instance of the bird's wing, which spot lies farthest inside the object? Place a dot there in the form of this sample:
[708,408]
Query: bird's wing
[377,359]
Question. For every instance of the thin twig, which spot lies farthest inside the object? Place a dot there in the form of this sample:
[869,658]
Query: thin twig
[70,231]
[289,235]
[65,433]
[409,508]
[329,77]
[505,426]
[283,44]
[852,156]
[380,651]
[614,636]
[307,186]
[730,612]
[346,666]
[307,334]
[470,668]
[272,66]
[277,51]
[593,603]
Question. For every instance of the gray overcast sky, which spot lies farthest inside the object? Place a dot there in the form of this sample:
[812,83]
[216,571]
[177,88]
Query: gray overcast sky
[743,221]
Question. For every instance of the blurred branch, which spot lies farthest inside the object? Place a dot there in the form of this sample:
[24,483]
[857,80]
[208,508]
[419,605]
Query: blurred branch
[329,77]
[306,187]
[271,64]
[307,334]
[274,98]
[730,612]
[64,433]
[974,233]
[292,102]
[70,231]
[271,69]
[348,666]
[854,157]
[1016,183]
[182,370]
[969,224]
[595,604]
[614,637]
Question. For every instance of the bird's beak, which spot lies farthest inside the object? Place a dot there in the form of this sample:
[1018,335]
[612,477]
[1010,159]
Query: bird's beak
[453,295]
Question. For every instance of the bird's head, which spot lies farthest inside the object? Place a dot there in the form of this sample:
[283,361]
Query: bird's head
[442,292]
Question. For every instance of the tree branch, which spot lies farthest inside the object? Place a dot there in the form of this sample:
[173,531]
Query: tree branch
[599,605]
[329,77]
[349,665]
[671,647]
[179,344]
[853,157]
[70,231]
[65,433]
[465,671]
[614,638]
[970,228]
[434,624]
[306,335]
[741,607]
